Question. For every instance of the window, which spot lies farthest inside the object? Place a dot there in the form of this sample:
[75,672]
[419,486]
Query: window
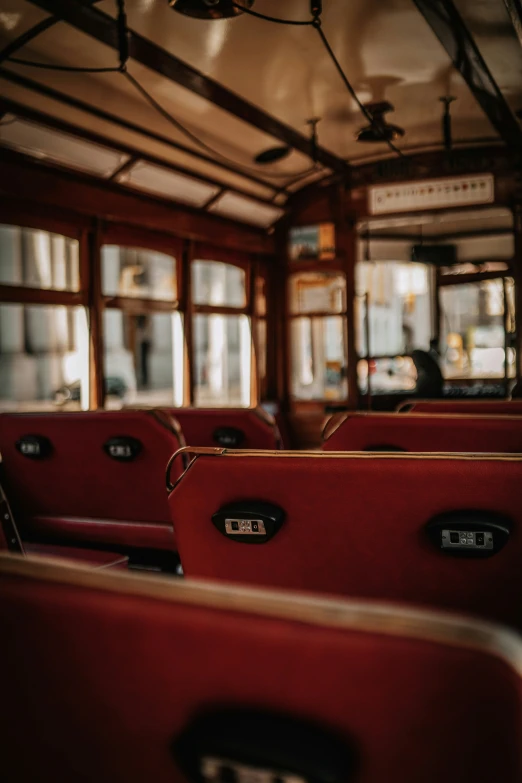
[394,307]
[144,354]
[318,339]
[476,329]
[44,357]
[137,273]
[143,359]
[222,341]
[215,284]
[38,259]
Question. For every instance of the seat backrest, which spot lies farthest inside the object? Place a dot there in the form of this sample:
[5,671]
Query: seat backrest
[426,432]
[488,407]
[9,536]
[245,428]
[118,678]
[91,476]
[357,525]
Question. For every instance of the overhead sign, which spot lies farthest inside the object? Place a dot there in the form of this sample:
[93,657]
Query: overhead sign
[432,194]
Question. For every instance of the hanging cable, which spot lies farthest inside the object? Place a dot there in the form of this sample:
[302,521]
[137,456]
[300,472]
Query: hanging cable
[274,19]
[123,38]
[367,114]
[194,138]
[315,21]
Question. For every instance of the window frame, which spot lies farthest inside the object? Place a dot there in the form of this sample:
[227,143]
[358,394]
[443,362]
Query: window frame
[316,267]
[138,238]
[205,252]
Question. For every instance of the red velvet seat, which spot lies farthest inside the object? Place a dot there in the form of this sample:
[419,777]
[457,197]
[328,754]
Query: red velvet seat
[114,678]
[78,492]
[249,428]
[491,407]
[356,525]
[10,541]
[425,432]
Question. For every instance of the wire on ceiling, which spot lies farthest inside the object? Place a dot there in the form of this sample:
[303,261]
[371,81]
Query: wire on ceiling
[315,22]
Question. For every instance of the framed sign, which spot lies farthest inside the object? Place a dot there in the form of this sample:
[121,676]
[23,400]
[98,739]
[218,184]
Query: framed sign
[312,243]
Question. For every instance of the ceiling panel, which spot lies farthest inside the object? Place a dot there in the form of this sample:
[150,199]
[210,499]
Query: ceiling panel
[57,147]
[163,182]
[385,46]
[232,206]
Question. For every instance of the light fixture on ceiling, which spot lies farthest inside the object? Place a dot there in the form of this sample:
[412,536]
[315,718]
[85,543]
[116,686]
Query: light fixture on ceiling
[210,9]
[379,130]
[275,154]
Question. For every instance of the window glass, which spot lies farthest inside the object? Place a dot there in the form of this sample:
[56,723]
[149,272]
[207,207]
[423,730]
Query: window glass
[222,359]
[44,357]
[38,259]
[318,358]
[399,307]
[134,272]
[317,292]
[143,359]
[472,330]
[215,283]
[387,375]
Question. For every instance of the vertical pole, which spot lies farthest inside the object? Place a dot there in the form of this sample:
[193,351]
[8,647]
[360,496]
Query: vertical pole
[517,269]
[347,247]
[95,307]
[368,353]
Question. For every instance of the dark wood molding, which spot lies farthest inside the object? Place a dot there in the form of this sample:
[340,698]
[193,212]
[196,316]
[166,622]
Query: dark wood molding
[517,268]
[427,239]
[134,154]
[76,103]
[454,35]
[40,296]
[22,178]
[102,27]
[448,280]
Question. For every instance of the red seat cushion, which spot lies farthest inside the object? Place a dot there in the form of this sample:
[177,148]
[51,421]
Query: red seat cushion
[488,407]
[90,557]
[199,426]
[356,525]
[78,492]
[423,432]
[107,671]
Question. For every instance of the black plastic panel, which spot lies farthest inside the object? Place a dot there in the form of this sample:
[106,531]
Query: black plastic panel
[122,448]
[242,744]
[229,437]
[470,534]
[34,446]
[249,521]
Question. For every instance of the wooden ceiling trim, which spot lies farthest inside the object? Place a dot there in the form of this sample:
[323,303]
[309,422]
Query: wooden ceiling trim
[102,27]
[22,178]
[102,114]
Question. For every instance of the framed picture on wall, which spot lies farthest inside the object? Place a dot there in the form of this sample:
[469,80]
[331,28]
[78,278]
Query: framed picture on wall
[312,243]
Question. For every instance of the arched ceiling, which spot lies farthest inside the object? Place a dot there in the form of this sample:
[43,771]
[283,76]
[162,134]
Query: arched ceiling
[386,48]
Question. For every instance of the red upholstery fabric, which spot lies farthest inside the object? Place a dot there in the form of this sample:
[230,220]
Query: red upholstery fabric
[101,681]
[423,432]
[355,526]
[199,424]
[492,407]
[10,540]
[79,492]
[90,557]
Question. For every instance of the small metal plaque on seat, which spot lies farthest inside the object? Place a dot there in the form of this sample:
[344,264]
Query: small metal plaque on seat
[34,446]
[245,527]
[466,539]
[220,770]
